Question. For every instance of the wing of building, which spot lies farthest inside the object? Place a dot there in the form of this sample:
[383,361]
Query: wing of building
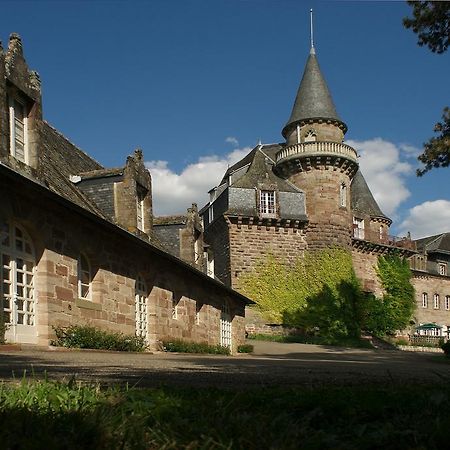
[308,192]
[77,242]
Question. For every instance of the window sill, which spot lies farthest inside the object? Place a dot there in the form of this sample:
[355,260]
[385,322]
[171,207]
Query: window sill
[88,304]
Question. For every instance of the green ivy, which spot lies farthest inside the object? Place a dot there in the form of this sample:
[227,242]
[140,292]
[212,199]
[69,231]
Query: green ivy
[394,310]
[319,292]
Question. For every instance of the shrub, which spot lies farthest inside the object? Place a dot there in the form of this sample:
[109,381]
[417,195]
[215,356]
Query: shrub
[3,328]
[245,348]
[446,348]
[179,346]
[83,336]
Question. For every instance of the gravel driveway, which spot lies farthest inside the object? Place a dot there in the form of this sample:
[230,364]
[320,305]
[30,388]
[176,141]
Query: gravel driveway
[271,364]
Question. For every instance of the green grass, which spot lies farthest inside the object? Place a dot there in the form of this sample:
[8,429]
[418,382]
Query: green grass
[49,415]
[318,340]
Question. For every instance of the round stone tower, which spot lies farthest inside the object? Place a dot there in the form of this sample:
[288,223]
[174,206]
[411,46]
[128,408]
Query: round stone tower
[317,161]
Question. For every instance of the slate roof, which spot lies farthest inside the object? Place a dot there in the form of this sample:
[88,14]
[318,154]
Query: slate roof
[362,199]
[434,244]
[313,100]
[58,161]
[169,220]
[260,170]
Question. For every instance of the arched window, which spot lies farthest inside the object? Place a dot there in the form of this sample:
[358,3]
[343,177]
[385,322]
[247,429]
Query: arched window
[343,195]
[424,300]
[436,303]
[310,136]
[17,281]
[84,278]
[141,308]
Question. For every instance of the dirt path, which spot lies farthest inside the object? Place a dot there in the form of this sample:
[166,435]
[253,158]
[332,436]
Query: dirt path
[271,364]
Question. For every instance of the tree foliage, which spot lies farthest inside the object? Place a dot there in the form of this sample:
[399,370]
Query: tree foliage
[394,310]
[431,23]
[320,291]
[437,150]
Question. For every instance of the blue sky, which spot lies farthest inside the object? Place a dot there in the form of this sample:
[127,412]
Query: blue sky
[195,84]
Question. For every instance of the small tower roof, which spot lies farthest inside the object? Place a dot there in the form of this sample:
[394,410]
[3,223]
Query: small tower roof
[313,99]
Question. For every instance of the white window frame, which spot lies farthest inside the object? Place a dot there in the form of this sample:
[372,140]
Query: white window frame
[436,301]
[226,326]
[424,299]
[140,208]
[17,291]
[267,203]
[141,308]
[442,268]
[447,302]
[210,213]
[358,228]
[13,100]
[311,136]
[82,271]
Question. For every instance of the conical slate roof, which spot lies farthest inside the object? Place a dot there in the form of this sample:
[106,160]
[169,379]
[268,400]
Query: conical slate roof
[362,199]
[313,99]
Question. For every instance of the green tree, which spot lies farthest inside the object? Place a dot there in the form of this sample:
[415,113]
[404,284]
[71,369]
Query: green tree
[394,310]
[431,23]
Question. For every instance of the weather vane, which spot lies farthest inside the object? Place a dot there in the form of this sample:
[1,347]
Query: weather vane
[312,30]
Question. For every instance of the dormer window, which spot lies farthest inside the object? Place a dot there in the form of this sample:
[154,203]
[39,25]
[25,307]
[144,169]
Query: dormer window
[310,136]
[267,203]
[442,269]
[140,207]
[18,129]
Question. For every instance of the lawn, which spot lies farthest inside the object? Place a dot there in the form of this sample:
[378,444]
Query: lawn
[50,415]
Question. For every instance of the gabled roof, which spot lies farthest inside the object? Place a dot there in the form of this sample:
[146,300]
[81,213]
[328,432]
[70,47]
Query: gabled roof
[434,244]
[362,199]
[260,170]
[313,100]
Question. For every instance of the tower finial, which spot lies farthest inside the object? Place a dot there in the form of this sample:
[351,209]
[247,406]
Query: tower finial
[312,51]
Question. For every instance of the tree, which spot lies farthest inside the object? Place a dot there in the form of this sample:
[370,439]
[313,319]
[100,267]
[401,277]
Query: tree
[431,22]
[437,150]
[394,310]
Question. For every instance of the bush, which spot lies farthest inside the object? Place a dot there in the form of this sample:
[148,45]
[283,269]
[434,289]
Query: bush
[245,348]
[3,328]
[179,346]
[83,336]
[446,348]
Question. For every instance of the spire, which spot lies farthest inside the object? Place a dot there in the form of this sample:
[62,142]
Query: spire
[313,99]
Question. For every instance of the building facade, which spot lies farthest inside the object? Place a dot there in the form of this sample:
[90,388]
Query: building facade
[77,242]
[309,193]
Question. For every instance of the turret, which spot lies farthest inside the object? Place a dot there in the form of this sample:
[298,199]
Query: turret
[316,160]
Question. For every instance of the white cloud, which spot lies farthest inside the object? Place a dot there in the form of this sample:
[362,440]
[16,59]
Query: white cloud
[428,218]
[174,192]
[232,140]
[410,151]
[384,171]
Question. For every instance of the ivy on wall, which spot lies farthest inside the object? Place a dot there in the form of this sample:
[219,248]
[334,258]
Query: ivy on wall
[320,291]
[394,310]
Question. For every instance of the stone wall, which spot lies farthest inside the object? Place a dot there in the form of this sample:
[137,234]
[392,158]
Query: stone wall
[60,232]
[365,264]
[329,223]
[431,284]
[252,243]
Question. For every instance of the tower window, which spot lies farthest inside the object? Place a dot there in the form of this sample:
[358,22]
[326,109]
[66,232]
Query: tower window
[267,203]
[18,129]
[310,136]
[343,195]
[442,269]
[436,301]
[358,228]
[424,300]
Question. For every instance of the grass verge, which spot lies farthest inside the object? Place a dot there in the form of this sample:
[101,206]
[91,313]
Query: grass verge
[318,340]
[49,415]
